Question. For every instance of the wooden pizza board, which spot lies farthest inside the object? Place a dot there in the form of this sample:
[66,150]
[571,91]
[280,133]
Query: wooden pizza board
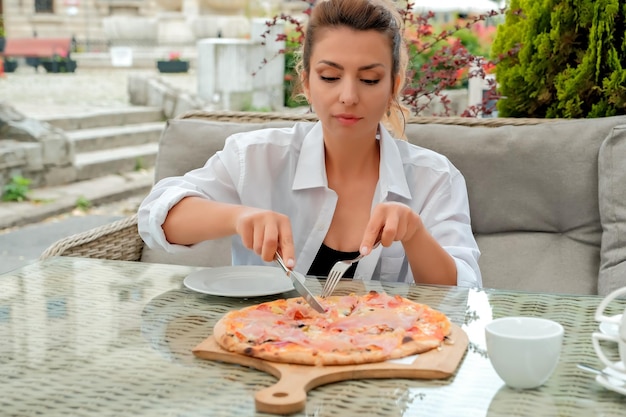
[288,395]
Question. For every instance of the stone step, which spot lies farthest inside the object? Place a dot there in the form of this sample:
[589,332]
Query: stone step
[55,200]
[113,161]
[115,117]
[102,138]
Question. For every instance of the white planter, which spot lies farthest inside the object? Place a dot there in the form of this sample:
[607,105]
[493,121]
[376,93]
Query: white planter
[225,68]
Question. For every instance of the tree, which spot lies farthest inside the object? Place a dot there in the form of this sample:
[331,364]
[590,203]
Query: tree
[571,61]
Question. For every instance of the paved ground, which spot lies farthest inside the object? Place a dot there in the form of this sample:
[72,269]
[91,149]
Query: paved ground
[39,95]
[23,245]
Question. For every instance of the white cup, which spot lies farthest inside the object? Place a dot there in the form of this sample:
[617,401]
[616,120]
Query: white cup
[619,338]
[524,351]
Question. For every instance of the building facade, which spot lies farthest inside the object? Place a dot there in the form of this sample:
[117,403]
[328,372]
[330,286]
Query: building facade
[96,25]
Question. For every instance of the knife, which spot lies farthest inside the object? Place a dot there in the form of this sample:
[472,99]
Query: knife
[299,286]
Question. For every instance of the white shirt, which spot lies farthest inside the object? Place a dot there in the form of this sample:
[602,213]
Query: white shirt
[283,170]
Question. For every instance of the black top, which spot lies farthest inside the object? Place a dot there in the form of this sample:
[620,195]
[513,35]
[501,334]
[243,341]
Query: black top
[326,258]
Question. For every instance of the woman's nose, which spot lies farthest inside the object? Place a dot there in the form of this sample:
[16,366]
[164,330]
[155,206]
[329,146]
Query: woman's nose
[348,95]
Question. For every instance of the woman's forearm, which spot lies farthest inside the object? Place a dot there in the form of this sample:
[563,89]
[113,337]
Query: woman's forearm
[429,262]
[193,220]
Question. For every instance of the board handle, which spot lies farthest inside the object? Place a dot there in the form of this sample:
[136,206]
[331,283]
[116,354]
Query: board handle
[287,396]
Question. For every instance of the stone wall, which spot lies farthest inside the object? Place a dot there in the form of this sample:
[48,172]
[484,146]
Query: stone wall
[33,149]
[155,92]
[139,23]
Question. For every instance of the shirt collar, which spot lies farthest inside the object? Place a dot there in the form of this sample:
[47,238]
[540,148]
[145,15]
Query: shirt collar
[311,171]
[392,177]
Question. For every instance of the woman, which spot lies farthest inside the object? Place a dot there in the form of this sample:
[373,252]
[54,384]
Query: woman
[325,192]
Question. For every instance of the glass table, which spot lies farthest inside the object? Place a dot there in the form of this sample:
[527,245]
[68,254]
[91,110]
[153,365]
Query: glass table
[85,337]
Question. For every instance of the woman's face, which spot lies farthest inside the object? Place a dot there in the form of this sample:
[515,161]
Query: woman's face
[350,81]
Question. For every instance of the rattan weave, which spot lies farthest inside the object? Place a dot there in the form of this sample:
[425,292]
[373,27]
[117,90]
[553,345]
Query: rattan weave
[266,117]
[118,241]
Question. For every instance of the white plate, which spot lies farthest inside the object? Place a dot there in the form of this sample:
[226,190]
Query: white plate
[239,281]
[611,329]
[611,384]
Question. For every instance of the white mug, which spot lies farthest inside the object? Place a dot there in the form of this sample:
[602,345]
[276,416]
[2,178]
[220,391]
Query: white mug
[524,351]
[620,338]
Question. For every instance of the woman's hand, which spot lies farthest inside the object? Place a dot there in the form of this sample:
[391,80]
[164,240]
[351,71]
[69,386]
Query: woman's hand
[266,232]
[429,262]
[390,222]
[196,219]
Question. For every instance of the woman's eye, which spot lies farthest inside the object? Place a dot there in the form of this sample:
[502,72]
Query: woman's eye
[363,80]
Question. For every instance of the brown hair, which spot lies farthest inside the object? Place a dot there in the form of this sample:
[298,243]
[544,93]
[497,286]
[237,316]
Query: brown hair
[379,15]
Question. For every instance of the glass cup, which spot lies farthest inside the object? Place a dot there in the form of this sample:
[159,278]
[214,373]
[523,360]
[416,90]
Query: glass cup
[619,337]
[524,351]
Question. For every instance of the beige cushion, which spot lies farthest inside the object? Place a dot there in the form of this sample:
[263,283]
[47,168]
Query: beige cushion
[533,192]
[612,193]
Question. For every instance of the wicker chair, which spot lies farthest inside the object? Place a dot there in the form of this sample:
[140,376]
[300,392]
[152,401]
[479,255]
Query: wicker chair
[120,240]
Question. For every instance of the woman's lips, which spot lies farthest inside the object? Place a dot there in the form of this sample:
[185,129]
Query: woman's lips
[347,119]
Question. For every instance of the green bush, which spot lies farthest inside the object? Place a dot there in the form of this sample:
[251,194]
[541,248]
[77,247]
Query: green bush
[571,62]
[17,189]
[83,203]
[290,83]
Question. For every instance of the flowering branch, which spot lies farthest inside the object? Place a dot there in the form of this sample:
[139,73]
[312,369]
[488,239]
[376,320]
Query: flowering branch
[438,61]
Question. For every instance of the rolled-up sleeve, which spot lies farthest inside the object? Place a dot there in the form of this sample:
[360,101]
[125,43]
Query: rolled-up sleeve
[447,216]
[215,181]
[154,209]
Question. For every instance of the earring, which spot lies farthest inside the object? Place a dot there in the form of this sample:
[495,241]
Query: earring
[388,112]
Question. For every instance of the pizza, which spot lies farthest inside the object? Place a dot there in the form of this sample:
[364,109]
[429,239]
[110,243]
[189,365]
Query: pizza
[355,329]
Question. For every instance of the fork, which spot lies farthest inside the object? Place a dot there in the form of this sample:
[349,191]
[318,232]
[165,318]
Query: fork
[337,271]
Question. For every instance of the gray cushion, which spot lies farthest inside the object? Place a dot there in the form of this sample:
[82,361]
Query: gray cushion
[612,194]
[533,192]
[208,253]
[186,144]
